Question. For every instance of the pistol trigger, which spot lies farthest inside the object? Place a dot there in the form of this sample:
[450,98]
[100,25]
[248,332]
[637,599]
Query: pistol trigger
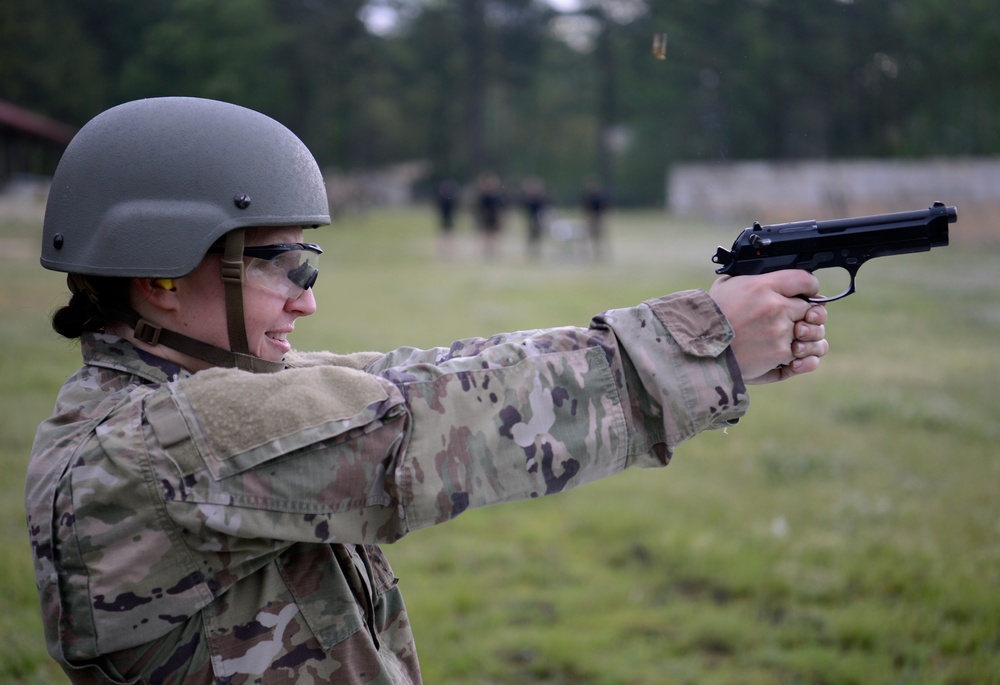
[854,274]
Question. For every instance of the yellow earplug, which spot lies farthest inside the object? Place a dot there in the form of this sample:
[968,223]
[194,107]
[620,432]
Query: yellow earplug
[165,283]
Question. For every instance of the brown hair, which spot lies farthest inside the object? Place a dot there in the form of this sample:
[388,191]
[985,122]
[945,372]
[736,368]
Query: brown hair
[97,302]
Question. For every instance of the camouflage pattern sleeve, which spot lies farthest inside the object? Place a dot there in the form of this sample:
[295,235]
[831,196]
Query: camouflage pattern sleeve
[335,454]
[569,406]
[666,391]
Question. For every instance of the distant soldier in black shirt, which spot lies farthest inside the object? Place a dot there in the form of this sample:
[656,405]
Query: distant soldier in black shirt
[490,212]
[448,193]
[536,202]
[594,203]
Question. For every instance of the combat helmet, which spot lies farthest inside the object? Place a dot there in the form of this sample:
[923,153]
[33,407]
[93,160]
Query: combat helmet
[146,188]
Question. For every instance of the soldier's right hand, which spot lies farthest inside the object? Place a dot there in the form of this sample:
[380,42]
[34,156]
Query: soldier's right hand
[778,333]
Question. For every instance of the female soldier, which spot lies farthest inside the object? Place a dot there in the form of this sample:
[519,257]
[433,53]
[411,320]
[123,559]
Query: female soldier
[205,503]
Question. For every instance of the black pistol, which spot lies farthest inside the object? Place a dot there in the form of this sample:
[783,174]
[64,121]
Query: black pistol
[844,243]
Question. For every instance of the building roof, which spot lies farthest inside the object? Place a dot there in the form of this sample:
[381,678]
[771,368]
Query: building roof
[34,123]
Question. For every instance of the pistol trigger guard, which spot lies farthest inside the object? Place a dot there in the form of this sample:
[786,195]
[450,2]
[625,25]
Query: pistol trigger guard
[853,273]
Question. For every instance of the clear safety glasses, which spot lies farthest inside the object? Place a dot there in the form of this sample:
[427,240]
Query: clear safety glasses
[288,269]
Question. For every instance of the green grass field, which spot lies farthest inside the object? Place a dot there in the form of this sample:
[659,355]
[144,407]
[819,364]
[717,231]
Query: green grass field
[847,532]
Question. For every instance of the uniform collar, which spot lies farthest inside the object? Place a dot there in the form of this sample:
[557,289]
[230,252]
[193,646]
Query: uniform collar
[111,352]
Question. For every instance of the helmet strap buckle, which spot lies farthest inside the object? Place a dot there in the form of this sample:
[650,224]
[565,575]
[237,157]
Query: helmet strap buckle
[147,332]
[232,273]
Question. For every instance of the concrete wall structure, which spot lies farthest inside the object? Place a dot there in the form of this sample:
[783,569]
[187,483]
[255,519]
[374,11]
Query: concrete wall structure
[776,192]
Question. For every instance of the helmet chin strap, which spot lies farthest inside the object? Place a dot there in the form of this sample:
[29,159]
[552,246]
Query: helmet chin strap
[238,356]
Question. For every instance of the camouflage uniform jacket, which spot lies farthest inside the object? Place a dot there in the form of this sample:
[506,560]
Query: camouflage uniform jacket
[223,526]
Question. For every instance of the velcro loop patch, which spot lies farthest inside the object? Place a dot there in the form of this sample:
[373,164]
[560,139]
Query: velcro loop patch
[238,412]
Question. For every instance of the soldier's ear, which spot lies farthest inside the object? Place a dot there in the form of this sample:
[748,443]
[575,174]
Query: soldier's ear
[160,292]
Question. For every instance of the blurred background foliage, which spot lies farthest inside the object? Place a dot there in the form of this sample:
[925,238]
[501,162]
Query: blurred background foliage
[561,88]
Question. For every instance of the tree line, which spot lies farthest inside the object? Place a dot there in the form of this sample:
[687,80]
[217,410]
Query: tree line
[519,87]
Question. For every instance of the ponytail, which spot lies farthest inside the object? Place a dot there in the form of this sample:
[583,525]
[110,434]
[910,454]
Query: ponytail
[97,302]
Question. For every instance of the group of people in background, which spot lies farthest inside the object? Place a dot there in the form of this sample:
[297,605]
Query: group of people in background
[488,200]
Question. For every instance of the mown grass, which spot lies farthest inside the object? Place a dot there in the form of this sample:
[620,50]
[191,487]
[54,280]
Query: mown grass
[846,532]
